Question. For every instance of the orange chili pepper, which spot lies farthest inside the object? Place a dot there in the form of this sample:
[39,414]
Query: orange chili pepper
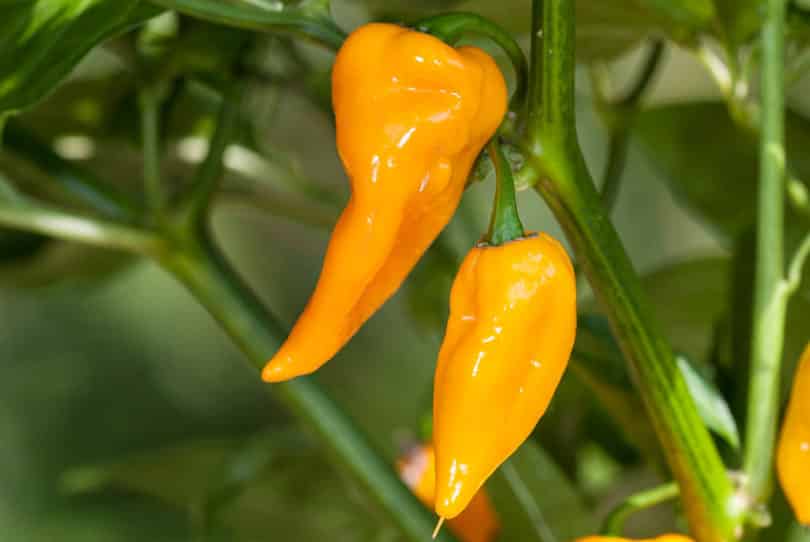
[477,523]
[509,336]
[412,114]
[664,538]
[793,455]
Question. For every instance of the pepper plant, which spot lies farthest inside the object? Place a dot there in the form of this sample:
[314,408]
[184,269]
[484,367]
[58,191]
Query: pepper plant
[128,126]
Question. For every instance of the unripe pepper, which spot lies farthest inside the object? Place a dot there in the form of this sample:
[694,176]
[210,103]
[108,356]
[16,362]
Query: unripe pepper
[793,455]
[664,538]
[412,113]
[477,523]
[509,336]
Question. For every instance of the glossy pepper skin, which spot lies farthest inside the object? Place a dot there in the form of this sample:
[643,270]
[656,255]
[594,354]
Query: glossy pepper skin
[664,538]
[509,336]
[412,115]
[477,523]
[793,454]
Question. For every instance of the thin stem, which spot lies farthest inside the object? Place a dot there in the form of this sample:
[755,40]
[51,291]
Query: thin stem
[566,185]
[794,277]
[505,225]
[320,29]
[451,27]
[149,102]
[209,173]
[614,523]
[22,214]
[201,269]
[770,305]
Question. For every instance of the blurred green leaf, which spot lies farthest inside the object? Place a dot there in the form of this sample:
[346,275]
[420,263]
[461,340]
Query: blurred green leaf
[535,501]
[803,4]
[710,164]
[711,405]
[42,40]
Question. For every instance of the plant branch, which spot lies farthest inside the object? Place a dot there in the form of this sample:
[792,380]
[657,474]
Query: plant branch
[149,101]
[614,523]
[20,213]
[566,185]
[318,28]
[770,304]
[794,278]
[201,269]
[208,175]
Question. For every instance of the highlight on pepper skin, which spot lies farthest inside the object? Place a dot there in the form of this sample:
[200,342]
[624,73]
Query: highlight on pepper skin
[664,538]
[509,336]
[793,453]
[477,523]
[412,114]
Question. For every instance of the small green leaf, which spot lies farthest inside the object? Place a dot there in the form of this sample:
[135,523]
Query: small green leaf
[42,40]
[712,165]
[535,501]
[712,407]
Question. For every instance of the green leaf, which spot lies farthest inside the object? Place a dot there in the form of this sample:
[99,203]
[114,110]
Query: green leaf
[710,164]
[535,500]
[738,19]
[712,406]
[42,40]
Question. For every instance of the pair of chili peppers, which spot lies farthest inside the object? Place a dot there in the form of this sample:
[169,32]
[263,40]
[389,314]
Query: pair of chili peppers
[412,114]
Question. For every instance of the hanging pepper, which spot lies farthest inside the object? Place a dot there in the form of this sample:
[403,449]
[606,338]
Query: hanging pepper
[793,456]
[477,523]
[412,113]
[664,538]
[509,336]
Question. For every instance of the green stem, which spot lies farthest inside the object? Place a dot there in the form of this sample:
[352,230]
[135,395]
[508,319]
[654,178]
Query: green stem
[200,267]
[566,185]
[209,174]
[451,27]
[149,101]
[770,303]
[320,29]
[614,523]
[23,214]
[505,225]
[794,277]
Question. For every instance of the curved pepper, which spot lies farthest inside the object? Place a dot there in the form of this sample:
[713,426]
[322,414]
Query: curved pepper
[412,114]
[477,523]
[664,538]
[509,336]
[793,455]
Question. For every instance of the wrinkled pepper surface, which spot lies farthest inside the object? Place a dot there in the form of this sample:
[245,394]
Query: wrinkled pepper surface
[664,538]
[477,523]
[412,114]
[509,336]
[793,454]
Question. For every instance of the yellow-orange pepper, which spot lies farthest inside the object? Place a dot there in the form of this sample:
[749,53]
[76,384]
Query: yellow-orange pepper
[412,114]
[793,455]
[664,538]
[509,336]
[478,522]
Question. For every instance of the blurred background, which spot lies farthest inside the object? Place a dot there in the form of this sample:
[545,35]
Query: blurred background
[125,412]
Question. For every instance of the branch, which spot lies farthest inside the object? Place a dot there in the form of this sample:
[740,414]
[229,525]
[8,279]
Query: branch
[770,303]
[566,185]
[258,334]
[149,101]
[614,524]
[320,29]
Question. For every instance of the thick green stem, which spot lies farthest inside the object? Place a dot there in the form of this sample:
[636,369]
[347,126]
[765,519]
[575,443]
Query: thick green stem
[505,225]
[258,334]
[770,302]
[566,185]
[614,524]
